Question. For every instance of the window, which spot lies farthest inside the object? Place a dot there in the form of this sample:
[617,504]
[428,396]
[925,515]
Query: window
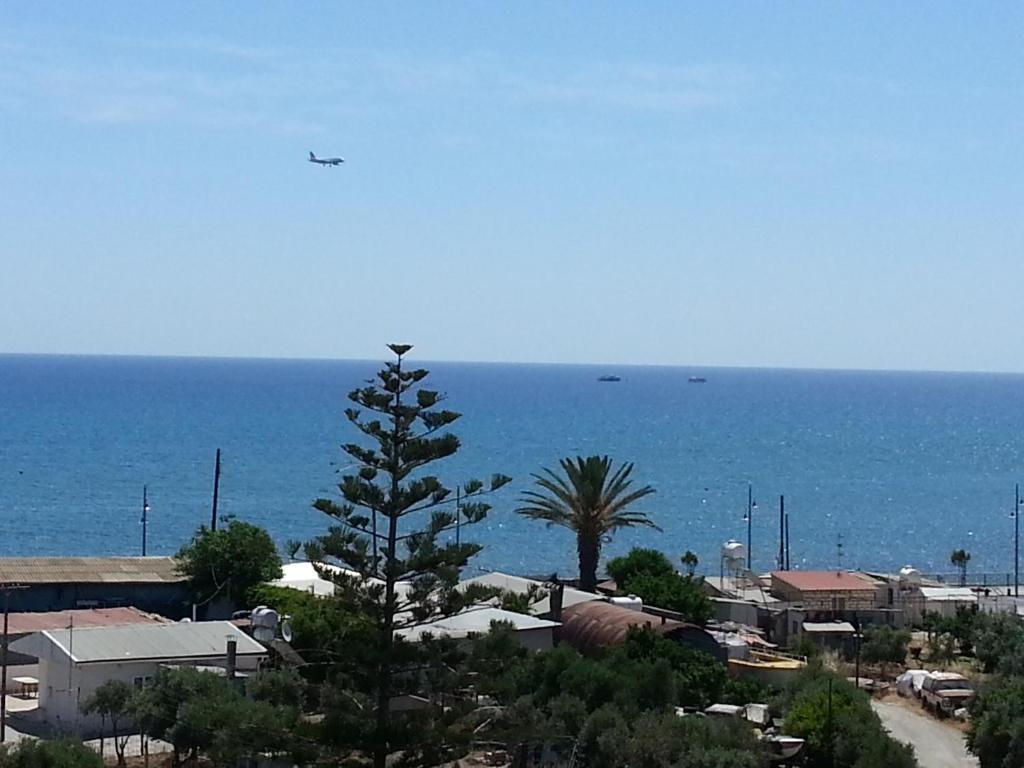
[139,681]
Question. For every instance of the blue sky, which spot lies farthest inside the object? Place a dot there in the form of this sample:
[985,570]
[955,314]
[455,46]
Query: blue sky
[753,184]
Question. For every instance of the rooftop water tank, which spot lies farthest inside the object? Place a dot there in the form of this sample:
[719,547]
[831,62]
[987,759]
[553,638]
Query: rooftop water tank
[910,576]
[632,602]
[262,616]
[734,555]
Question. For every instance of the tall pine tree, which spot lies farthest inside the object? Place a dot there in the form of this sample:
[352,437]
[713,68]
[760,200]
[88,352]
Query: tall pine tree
[396,540]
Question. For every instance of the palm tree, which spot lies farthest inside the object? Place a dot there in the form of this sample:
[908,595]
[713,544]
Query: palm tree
[960,558]
[591,499]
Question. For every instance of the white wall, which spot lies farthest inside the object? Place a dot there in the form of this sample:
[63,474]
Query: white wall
[63,687]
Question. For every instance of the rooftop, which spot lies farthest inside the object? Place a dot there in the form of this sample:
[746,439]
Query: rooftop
[304,576]
[593,625]
[825,581]
[23,623]
[521,585]
[829,627]
[474,621]
[949,594]
[140,642]
[89,570]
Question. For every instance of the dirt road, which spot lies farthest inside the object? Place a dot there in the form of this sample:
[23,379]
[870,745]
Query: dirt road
[937,745]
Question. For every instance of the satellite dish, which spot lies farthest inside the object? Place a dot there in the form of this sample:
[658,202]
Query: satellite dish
[263,634]
[286,631]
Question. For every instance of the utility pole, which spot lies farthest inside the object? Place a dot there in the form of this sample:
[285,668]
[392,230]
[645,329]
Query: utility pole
[787,541]
[7,589]
[1016,540]
[145,514]
[751,506]
[856,639]
[216,491]
[782,532]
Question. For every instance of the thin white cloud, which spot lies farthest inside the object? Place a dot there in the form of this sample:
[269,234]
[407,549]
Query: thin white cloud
[211,82]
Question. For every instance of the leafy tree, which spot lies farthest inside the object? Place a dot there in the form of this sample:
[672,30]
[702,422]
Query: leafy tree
[326,630]
[639,561]
[162,710]
[201,713]
[951,632]
[996,731]
[885,645]
[30,753]
[283,688]
[113,702]
[649,575]
[388,531]
[592,499]
[851,736]
[999,643]
[228,562]
[960,558]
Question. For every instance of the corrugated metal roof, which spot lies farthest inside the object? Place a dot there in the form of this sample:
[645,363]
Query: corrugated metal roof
[521,586]
[949,594]
[825,581]
[22,623]
[589,626]
[89,570]
[475,621]
[142,642]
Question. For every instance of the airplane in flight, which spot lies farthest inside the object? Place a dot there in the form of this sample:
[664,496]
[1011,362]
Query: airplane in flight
[325,160]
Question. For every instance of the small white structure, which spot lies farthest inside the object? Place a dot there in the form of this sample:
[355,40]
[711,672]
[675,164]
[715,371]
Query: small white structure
[305,577]
[532,633]
[945,600]
[75,662]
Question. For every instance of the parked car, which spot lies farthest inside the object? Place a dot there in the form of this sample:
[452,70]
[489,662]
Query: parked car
[945,692]
[909,683]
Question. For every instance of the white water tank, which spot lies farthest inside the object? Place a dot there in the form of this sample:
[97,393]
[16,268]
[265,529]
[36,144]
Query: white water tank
[734,555]
[262,616]
[910,577]
[632,602]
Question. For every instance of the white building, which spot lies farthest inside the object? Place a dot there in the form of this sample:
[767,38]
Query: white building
[75,662]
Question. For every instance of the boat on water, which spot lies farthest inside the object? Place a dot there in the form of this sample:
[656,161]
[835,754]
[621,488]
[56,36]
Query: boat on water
[609,378]
[697,380]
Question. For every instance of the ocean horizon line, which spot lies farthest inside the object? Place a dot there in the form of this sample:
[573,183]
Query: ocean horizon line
[518,363]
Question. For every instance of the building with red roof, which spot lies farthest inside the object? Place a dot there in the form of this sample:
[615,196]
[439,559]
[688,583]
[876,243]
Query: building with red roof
[828,591]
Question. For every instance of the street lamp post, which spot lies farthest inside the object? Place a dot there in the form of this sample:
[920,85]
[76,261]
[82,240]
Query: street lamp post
[145,513]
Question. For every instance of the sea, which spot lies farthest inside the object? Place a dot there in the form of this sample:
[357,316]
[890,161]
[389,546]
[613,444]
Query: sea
[878,469]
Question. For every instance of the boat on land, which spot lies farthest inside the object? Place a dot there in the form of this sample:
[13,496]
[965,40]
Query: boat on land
[609,378]
[697,380]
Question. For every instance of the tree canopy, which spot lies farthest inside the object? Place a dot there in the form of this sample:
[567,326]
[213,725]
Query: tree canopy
[593,499]
[398,524]
[228,562]
[30,753]
[648,574]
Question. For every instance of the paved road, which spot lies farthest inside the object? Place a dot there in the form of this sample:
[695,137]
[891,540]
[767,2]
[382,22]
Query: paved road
[937,745]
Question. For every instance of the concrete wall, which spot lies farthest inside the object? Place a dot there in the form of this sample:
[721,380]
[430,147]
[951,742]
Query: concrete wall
[536,639]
